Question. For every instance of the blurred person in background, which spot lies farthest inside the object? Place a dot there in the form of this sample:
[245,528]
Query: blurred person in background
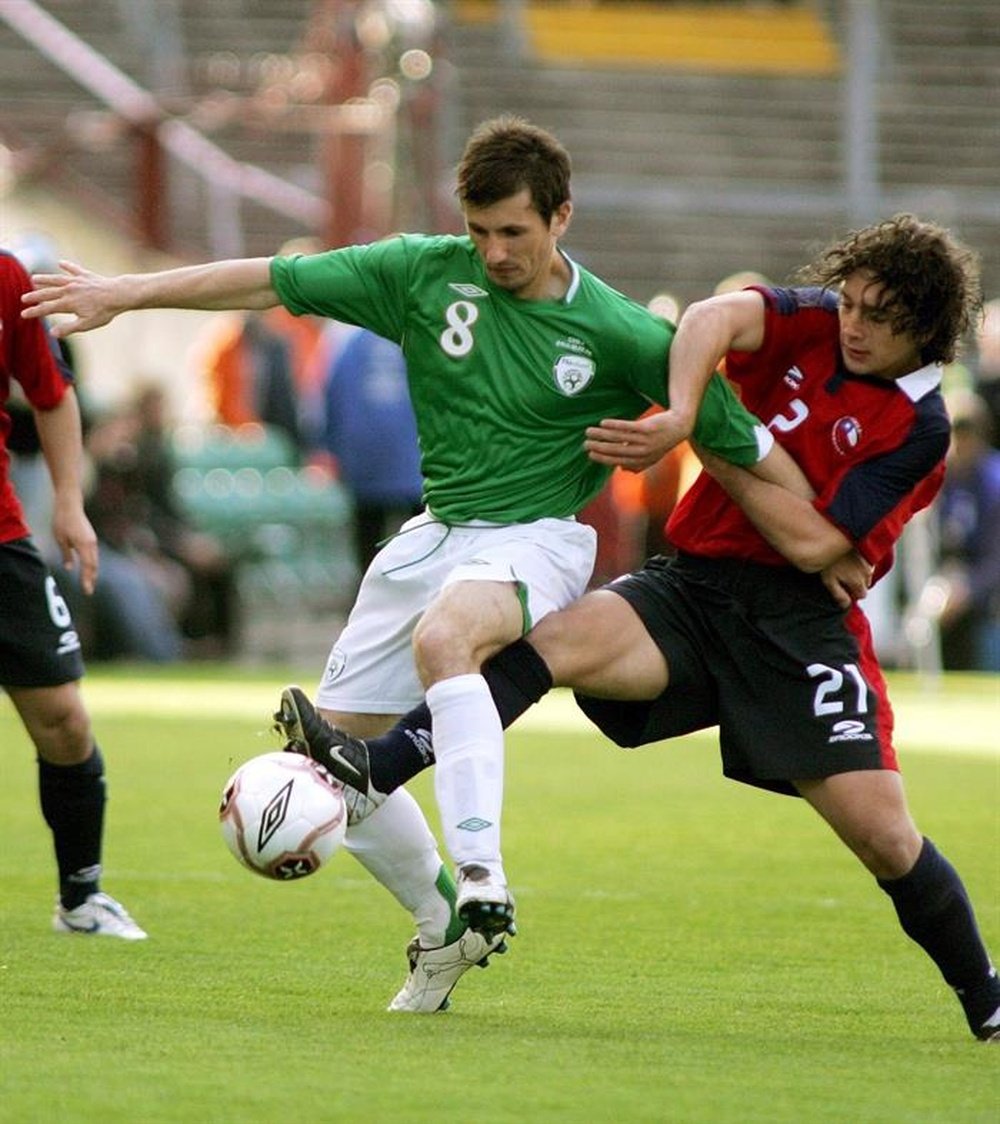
[171,587]
[40,658]
[248,375]
[371,433]
[986,364]
[968,513]
[264,366]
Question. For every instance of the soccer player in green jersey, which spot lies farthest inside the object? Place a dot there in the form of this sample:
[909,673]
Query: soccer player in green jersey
[512,351]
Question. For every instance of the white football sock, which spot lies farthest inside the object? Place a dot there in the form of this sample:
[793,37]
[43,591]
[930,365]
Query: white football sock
[395,845]
[468,776]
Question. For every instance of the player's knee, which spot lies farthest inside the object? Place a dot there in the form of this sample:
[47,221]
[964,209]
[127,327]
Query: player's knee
[888,850]
[62,733]
[441,648]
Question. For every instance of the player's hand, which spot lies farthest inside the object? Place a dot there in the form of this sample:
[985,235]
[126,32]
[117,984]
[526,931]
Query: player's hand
[848,579]
[635,445]
[77,542]
[76,292]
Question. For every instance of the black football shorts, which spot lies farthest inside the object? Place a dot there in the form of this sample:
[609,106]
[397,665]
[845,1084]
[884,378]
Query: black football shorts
[39,646]
[764,653]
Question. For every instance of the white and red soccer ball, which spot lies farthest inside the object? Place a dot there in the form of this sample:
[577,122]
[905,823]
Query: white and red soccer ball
[280,817]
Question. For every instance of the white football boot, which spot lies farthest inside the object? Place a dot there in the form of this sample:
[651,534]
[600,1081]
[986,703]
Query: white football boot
[435,971]
[99,916]
[483,901]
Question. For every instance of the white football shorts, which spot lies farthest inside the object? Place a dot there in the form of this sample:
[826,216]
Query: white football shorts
[371,670]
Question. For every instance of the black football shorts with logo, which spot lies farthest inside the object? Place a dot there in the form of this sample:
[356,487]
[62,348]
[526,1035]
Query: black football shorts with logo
[764,653]
[39,645]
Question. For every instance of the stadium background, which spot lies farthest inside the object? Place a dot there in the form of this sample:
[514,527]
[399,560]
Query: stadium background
[706,138]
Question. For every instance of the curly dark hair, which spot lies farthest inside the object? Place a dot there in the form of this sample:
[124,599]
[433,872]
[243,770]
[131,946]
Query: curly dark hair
[507,154]
[932,280]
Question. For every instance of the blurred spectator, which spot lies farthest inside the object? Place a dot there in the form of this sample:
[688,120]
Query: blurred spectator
[665,305]
[969,519]
[210,612]
[986,363]
[263,366]
[171,588]
[247,367]
[370,432]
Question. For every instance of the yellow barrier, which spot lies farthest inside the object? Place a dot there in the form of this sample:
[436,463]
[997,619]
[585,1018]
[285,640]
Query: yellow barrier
[789,40]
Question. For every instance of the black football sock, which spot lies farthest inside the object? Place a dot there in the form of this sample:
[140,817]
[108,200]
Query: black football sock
[402,752]
[934,910]
[72,799]
[517,678]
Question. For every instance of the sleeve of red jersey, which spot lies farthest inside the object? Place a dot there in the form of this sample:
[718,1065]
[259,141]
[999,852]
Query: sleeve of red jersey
[30,353]
[874,529]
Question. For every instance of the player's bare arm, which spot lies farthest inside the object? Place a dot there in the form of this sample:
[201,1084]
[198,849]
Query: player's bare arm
[59,434]
[847,576]
[638,445]
[707,330]
[705,333]
[634,445]
[788,521]
[91,300]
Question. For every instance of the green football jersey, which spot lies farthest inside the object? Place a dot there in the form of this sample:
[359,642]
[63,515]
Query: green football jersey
[504,388]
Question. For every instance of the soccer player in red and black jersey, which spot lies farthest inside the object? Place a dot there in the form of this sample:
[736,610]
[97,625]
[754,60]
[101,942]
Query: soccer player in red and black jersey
[40,658]
[739,630]
[753,626]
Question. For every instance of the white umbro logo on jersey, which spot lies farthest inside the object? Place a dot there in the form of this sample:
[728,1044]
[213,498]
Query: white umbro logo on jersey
[467,289]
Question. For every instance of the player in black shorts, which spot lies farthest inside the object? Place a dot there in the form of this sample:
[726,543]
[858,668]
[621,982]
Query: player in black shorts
[737,638]
[753,625]
[40,660]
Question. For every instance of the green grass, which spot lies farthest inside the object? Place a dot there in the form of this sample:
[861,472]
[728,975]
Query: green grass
[690,950]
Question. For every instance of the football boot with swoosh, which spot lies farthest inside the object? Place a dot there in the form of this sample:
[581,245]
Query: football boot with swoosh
[343,756]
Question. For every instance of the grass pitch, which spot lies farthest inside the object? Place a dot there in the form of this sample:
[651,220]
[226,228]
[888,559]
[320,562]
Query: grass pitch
[690,950]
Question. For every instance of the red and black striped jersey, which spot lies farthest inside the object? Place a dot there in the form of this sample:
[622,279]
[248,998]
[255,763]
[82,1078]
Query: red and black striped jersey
[28,356]
[872,448]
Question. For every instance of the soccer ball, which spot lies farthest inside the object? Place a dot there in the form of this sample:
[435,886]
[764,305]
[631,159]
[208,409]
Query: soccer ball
[280,817]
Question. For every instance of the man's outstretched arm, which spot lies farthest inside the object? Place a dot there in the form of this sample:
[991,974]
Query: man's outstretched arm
[93,300]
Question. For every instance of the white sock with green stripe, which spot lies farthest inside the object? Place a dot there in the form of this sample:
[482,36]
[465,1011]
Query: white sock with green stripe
[395,845]
[468,776]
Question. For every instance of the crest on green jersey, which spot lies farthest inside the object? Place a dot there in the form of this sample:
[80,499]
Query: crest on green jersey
[573,372]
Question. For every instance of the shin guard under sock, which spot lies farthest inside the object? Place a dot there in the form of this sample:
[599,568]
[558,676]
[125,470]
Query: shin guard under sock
[72,799]
[934,910]
[517,677]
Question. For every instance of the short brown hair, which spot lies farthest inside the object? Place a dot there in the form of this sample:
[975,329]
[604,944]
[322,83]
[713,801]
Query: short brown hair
[933,280]
[508,154]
